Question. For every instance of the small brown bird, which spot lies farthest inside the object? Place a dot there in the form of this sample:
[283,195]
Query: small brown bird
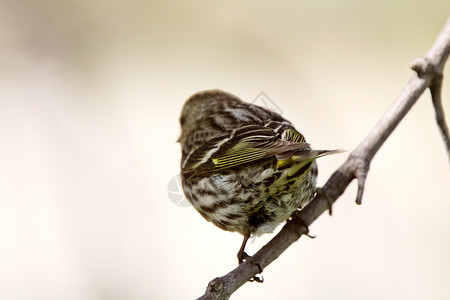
[244,168]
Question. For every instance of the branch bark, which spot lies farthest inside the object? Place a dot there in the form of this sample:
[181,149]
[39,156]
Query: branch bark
[429,75]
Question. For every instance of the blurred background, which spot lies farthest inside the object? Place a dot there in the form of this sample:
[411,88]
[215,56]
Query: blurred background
[90,95]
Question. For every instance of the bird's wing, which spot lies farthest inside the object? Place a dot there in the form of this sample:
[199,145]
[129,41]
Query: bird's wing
[244,145]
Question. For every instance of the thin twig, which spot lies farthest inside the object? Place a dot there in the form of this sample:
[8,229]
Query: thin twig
[430,66]
[435,90]
[356,166]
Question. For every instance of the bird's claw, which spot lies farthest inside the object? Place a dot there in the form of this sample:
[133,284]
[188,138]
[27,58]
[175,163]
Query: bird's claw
[320,192]
[242,257]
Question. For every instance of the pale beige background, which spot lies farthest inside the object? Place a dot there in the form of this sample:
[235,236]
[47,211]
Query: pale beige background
[90,93]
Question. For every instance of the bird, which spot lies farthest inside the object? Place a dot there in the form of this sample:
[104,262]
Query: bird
[244,168]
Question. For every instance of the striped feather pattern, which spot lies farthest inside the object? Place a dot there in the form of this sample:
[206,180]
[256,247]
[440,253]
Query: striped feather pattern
[244,168]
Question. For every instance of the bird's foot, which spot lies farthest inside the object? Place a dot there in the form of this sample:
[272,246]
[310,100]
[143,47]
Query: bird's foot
[243,257]
[321,193]
[299,220]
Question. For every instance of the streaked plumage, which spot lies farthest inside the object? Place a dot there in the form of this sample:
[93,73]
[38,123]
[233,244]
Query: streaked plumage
[244,168]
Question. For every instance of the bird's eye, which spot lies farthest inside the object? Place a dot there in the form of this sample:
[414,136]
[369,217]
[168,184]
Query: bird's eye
[182,120]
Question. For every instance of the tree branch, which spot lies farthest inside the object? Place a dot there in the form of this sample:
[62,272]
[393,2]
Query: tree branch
[429,75]
[435,89]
